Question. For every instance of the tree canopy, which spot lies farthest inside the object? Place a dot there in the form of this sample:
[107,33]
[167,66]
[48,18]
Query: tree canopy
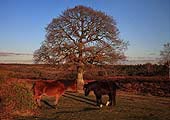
[81,36]
[84,35]
[165,56]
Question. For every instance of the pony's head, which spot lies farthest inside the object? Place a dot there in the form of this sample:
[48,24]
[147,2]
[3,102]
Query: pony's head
[86,89]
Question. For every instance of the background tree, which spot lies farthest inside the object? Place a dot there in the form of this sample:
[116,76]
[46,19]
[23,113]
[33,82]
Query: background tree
[165,56]
[81,36]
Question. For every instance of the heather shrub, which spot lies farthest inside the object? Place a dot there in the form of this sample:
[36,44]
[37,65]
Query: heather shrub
[16,98]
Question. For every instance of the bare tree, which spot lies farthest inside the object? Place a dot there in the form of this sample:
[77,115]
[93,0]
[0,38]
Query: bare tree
[81,36]
[165,56]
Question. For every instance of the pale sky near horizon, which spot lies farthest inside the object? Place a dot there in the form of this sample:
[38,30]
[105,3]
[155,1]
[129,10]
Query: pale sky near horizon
[144,23]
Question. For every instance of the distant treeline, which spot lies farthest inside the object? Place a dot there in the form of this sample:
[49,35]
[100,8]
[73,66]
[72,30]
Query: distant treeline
[128,70]
[91,72]
[136,70]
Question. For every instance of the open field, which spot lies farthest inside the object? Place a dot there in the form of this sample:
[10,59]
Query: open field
[135,102]
[74,106]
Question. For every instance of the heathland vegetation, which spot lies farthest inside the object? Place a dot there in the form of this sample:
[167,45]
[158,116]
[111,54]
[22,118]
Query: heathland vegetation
[16,95]
[45,71]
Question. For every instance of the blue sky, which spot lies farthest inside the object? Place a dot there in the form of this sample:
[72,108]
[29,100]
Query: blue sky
[144,23]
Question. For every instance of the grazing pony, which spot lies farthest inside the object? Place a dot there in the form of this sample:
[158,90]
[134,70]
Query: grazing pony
[104,87]
[52,88]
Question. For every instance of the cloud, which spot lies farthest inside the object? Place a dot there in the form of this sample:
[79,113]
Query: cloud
[11,57]
[142,58]
[4,54]
[152,54]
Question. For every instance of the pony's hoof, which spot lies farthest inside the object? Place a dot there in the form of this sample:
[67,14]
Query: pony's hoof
[108,103]
[101,106]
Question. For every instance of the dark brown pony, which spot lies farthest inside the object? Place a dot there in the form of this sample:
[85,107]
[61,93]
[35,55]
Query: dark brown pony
[104,87]
[52,88]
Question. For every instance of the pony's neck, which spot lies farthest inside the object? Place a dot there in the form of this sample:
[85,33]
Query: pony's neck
[70,85]
[92,86]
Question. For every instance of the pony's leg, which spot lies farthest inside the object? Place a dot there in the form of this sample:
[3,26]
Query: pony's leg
[109,102]
[114,97]
[57,97]
[56,101]
[38,100]
[99,100]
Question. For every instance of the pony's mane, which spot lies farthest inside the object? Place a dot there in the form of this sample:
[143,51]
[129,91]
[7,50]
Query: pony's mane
[90,83]
[97,81]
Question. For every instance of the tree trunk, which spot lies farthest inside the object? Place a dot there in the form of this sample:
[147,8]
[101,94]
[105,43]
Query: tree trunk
[80,81]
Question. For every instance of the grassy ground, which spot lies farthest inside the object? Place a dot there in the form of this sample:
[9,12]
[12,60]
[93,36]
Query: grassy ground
[74,106]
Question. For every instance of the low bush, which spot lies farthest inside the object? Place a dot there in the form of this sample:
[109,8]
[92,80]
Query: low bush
[157,86]
[16,98]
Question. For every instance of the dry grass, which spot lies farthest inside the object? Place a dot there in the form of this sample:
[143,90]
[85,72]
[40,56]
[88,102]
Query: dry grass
[74,106]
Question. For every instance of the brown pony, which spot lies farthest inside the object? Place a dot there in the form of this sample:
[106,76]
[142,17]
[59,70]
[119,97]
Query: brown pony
[52,88]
